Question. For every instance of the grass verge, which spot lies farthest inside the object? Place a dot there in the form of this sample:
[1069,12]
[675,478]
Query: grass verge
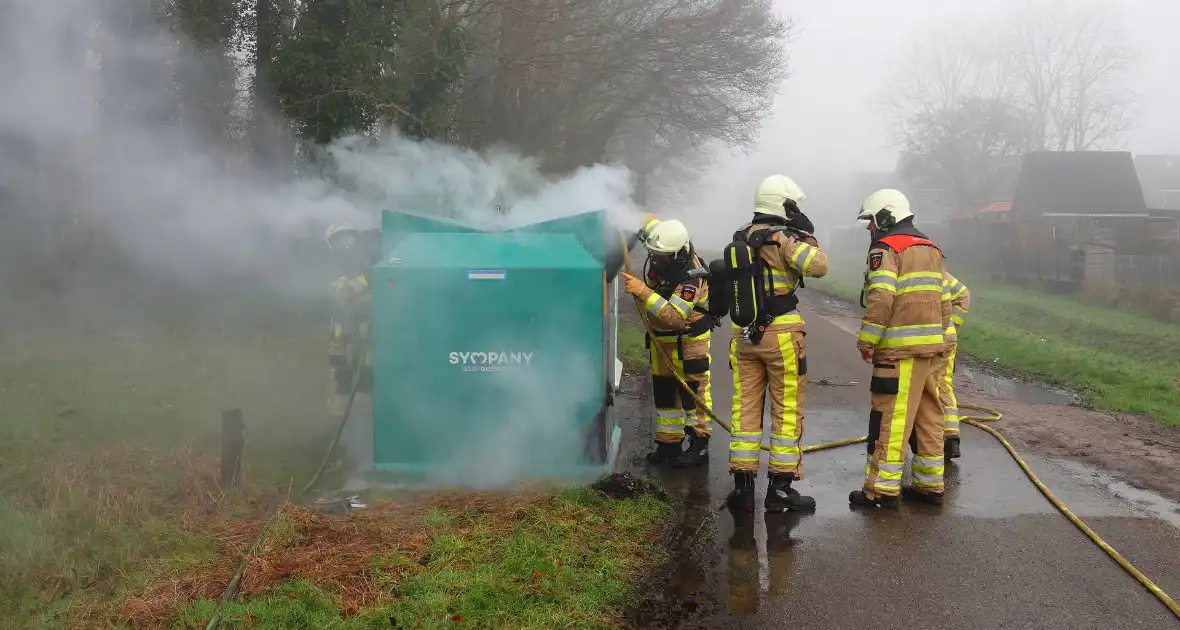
[111,514]
[632,351]
[108,450]
[1117,361]
[485,560]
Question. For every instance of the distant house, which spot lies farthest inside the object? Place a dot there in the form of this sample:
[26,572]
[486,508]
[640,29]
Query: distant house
[1089,203]
[1078,183]
[1077,221]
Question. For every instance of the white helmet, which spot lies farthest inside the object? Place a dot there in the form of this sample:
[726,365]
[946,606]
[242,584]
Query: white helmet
[891,202]
[337,229]
[666,237]
[773,192]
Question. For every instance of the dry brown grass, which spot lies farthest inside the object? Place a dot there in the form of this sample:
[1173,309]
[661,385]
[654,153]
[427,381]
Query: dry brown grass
[338,554]
[83,503]
[87,506]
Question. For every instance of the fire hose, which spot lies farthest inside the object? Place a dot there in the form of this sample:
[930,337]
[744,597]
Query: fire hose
[976,421]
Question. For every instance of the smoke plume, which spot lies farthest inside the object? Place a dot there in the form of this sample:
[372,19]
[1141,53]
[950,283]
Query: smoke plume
[92,133]
[110,170]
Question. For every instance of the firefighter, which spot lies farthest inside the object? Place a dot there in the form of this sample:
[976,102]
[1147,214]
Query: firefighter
[348,341]
[777,360]
[676,304]
[960,299]
[902,335]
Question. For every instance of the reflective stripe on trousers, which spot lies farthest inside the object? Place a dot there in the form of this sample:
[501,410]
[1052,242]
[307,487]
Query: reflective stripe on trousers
[777,364]
[675,409]
[669,425]
[928,473]
[905,402]
[946,394]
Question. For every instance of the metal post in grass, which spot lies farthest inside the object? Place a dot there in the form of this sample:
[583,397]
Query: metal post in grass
[233,440]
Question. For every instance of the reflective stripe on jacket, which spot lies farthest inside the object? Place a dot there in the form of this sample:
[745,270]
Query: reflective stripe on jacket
[675,314]
[786,265]
[907,304]
[960,299]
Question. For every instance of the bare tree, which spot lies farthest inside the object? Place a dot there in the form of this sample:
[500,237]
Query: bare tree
[971,98]
[970,153]
[935,74]
[1070,61]
[563,78]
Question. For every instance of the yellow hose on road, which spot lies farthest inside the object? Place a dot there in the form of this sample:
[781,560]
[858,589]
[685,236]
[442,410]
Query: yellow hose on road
[976,421]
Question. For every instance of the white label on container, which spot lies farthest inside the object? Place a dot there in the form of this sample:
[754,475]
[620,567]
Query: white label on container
[485,274]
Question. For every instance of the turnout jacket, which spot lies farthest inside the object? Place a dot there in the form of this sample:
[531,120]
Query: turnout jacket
[907,303]
[960,298]
[674,313]
[786,265]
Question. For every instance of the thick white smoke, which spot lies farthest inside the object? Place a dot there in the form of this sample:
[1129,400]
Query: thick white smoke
[184,203]
[88,136]
[491,190]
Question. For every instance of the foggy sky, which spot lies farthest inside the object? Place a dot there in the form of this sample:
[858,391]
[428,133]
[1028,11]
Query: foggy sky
[825,121]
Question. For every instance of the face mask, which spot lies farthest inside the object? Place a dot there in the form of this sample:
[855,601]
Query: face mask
[660,263]
[343,242]
[664,267]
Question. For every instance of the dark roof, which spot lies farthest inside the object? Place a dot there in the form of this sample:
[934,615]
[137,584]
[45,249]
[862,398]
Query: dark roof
[1078,182]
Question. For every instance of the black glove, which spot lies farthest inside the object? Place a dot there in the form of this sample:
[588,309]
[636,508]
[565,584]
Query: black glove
[800,222]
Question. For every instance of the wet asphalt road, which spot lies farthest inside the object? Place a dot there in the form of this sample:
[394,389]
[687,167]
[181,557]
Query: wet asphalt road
[995,555]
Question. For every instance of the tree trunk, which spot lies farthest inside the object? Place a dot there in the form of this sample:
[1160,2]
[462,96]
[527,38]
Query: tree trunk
[266,36]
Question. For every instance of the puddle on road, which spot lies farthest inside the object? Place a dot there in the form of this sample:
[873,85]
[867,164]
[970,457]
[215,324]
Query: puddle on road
[724,563]
[726,569]
[1144,500]
[731,567]
[687,592]
[1029,392]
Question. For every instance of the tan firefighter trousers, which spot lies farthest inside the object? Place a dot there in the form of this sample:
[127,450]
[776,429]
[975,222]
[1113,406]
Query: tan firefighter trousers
[778,364]
[904,401]
[946,393]
[676,409]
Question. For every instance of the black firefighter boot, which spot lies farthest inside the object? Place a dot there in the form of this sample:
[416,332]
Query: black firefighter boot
[950,448]
[781,497]
[697,453]
[858,498]
[665,453]
[741,498]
